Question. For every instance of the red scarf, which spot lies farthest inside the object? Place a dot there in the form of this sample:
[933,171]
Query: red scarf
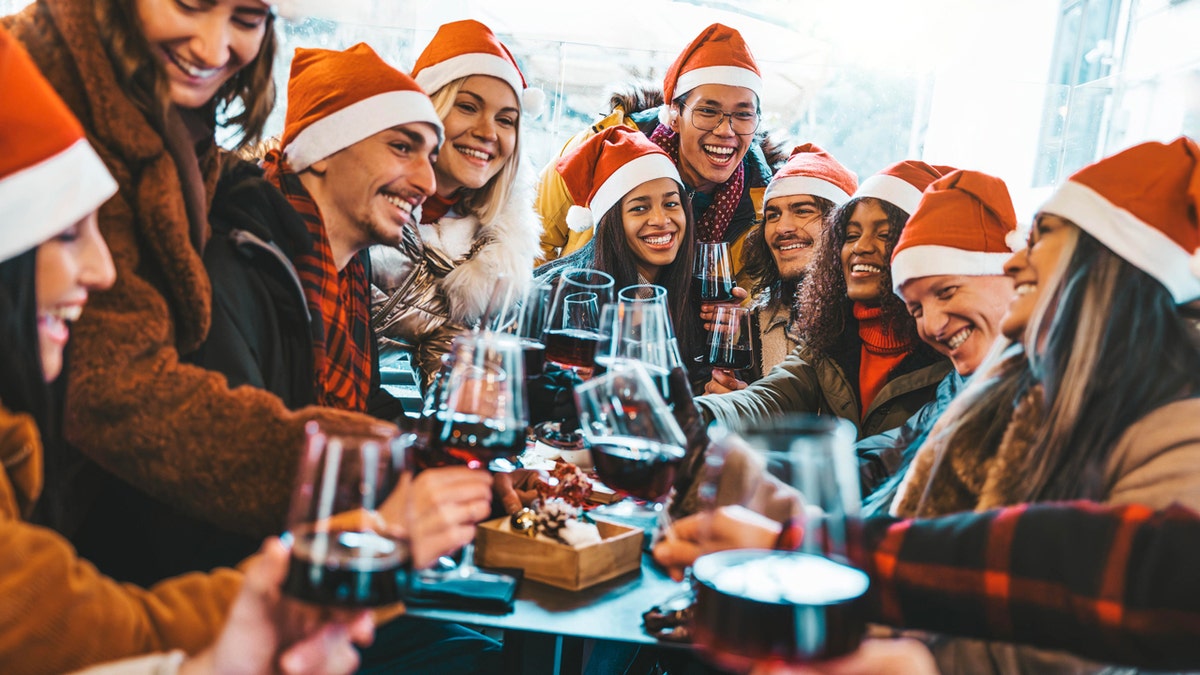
[341,354]
[881,353]
[436,206]
[711,225]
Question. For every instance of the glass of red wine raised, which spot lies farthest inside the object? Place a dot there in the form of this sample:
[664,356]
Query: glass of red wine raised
[755,605]
[714,272]
[347,548]
[729,341]
[572,330]
[636,444]
[477,416]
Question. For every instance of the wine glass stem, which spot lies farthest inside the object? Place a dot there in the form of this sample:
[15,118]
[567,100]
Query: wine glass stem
[466,566]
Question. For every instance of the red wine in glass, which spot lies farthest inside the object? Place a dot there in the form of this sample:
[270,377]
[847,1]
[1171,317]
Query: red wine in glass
[732,358]
[573,348]
[355,569]
[715,289]
[795,607]
[638,467]
[468,440]
[535,356]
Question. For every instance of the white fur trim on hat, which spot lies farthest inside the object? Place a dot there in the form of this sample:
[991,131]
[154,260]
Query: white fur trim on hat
[729,75]
[630,175]
[579,218]
[915,262]
[1138,242]
[79,182]
[805,185]
[533,102]
[891,189]
[341,129]
[465,65]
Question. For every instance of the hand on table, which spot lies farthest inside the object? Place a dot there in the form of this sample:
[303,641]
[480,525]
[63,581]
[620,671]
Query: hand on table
[725,528]
[874,657]
[723,381]
[267,632]
[517,489]
[438,509]
[708,310]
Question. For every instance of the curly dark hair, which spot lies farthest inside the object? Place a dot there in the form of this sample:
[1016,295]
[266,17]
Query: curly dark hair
[822,303]
[759,263]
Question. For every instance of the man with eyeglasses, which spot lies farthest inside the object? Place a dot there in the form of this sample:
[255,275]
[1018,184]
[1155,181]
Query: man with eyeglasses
[709,125]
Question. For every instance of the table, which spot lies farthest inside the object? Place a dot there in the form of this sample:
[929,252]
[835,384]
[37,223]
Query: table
[546,629]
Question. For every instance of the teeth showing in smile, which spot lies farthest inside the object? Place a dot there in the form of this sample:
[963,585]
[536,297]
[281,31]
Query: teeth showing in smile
[724,152]
[68,313]
[659,241]
[959,338]
[1024,289]
[473,153]
[193,70]
[868,269]
[401,204]
[792,246]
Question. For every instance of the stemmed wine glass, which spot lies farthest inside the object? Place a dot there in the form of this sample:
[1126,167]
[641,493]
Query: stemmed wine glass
[572,330]
[729,344]
[714,272]
[477,417]
[347,548]
[792,606]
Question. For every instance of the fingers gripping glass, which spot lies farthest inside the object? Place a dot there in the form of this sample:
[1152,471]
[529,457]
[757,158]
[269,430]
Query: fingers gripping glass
[706,118]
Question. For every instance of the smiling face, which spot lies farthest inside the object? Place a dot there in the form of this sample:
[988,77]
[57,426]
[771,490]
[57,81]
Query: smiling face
[655,224]
[1033,270]
[367,192]
[790,226]
[481,134]
[68,266]
[865,253]
[959,316]
[708,158]
[202,43]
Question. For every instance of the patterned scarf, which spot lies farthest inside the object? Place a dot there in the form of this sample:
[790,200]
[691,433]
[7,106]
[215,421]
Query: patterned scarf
[711,225]
[341,364]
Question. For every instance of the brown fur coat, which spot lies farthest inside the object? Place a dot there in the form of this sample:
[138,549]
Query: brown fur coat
[175,431]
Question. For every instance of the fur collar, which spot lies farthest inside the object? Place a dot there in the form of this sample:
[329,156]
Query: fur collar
[507,245]
[970,478]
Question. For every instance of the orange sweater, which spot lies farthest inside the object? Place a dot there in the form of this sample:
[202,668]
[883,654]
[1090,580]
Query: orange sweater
[881,352]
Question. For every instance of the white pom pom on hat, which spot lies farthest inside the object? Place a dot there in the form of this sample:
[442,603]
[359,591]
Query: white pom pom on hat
[579,218]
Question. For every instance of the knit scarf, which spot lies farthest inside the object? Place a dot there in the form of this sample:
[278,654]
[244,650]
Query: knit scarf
[341,364]
[881,353]
[711,225]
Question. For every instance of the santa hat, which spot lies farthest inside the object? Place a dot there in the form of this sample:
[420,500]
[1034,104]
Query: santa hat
[718,55]
[902,183]
[1142,204]
[812,171]
[464,48]
[961,227]
[602,169]
[336,99]
[50,177]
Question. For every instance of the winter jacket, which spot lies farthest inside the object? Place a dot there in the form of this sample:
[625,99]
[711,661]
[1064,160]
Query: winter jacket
[173,430]
[827,383]
[437,283]
[57,612]
[553,199]
[773,340]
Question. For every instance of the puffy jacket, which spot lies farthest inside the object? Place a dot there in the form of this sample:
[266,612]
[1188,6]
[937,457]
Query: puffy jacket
[422,296]
[57,612]
[827,383]
[553,199]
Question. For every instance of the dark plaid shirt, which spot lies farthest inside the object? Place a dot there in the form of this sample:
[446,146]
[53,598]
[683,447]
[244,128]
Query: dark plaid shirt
[1113,584]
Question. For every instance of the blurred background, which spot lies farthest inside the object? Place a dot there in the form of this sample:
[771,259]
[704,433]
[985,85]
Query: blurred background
[1029,90]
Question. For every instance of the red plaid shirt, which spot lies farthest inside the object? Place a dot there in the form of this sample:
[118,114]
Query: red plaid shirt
[1113,584]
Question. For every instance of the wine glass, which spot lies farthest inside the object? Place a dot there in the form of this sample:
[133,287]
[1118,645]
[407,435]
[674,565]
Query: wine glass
[571,335]
[792,606]
[636,444]
[714,272]
[641,331]
[346,550]
[477,418]
[729,340]
[530,324]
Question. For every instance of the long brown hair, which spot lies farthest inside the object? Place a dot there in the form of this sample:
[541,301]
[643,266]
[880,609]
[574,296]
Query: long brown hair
[249,95]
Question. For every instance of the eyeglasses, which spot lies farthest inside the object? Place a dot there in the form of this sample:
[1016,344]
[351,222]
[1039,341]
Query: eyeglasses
[742,122]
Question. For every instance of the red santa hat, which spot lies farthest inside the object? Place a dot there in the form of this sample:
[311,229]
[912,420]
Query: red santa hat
[718,55]
[960,227]
[812,171]
[50,177]
[902,183]
[464,48]
[602,169]
[1142,204]
[336,99]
